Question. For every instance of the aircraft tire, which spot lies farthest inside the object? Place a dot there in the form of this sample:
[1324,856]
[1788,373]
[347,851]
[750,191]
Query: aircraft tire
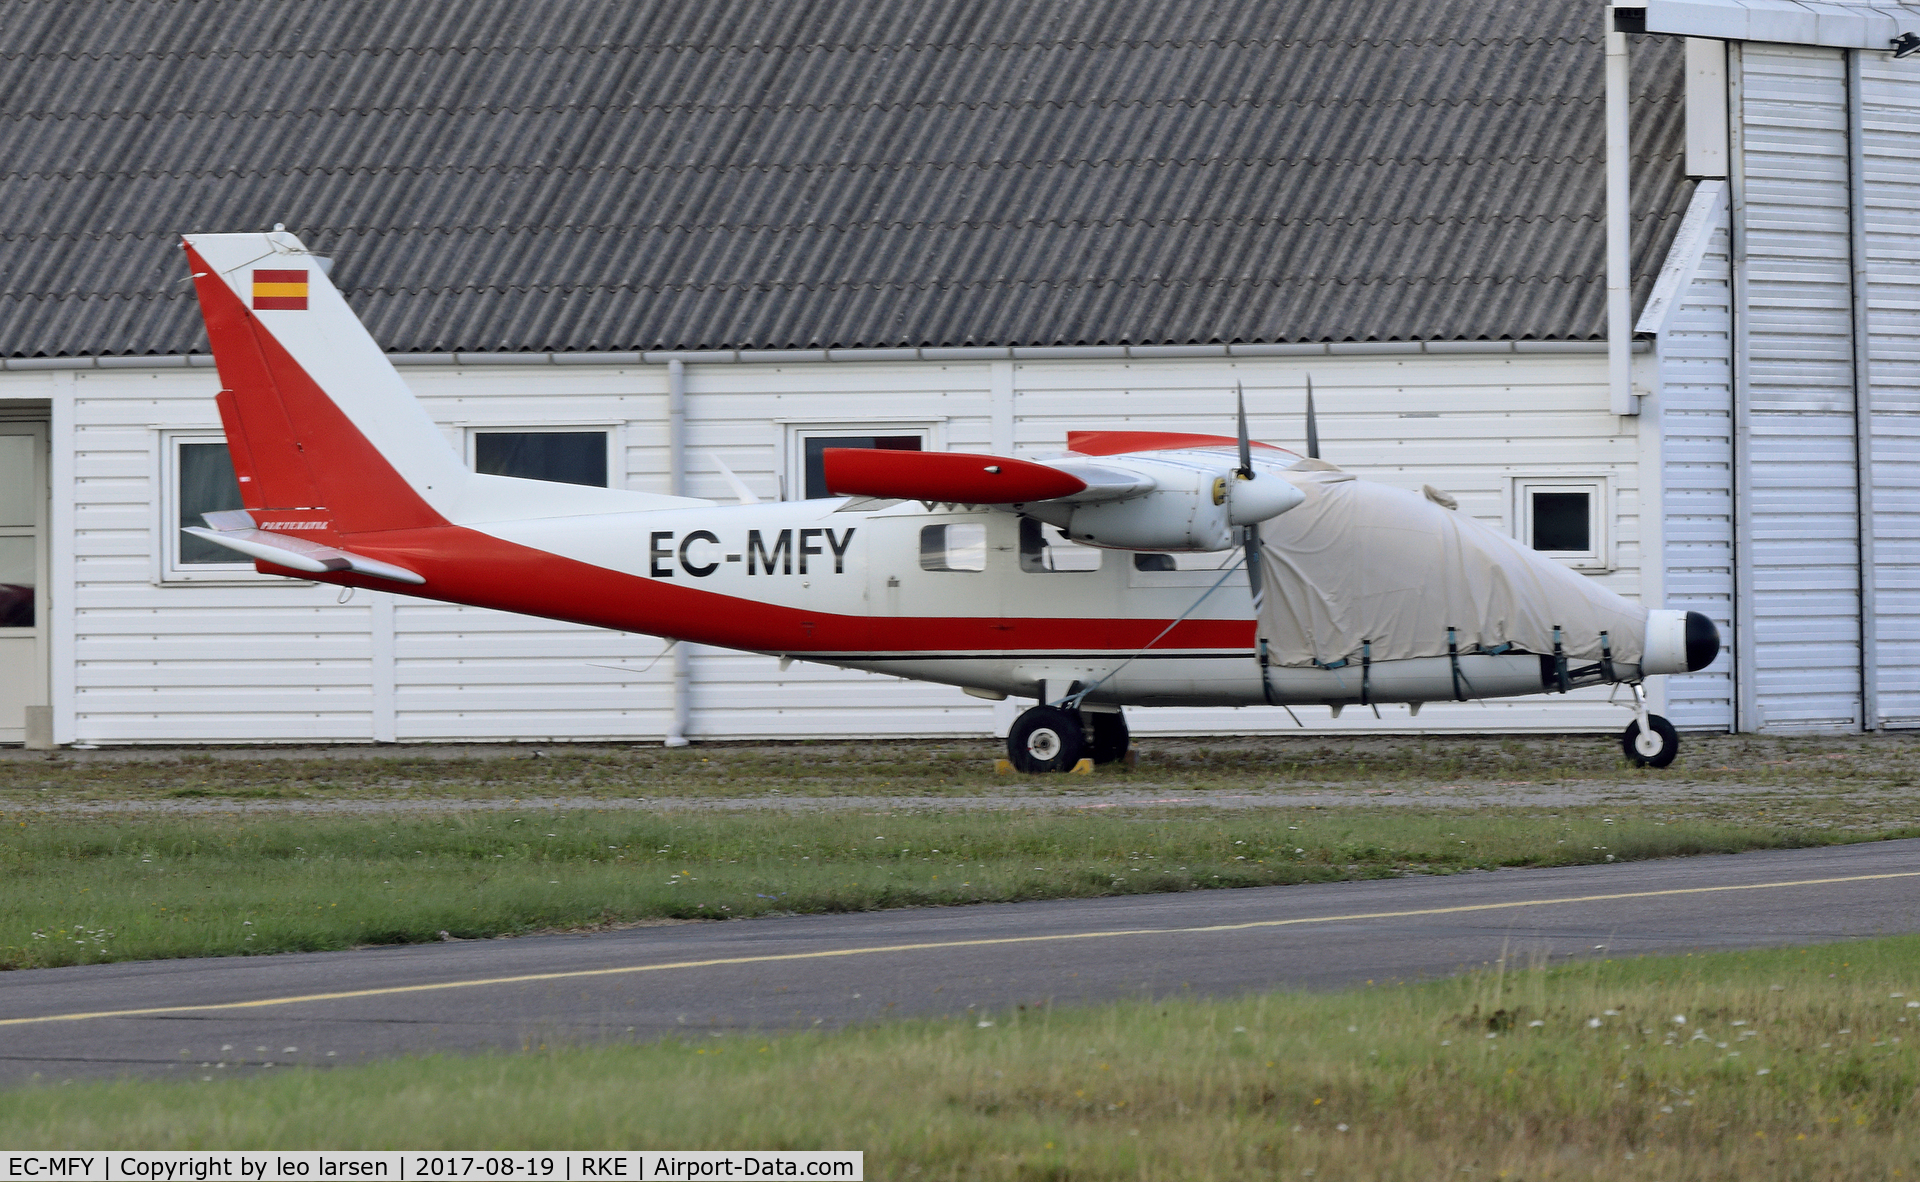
[1046,739]
[1108,733]
[1667,738]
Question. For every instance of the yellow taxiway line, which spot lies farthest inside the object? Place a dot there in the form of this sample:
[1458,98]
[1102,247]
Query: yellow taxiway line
[573,974]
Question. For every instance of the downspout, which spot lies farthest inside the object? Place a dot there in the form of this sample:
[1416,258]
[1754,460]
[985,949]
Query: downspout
[1862,394]
[1619,231]
[1747,714]
[677,485]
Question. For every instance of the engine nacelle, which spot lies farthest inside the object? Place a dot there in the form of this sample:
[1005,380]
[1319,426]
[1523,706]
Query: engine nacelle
[1165,519]
[1191,508]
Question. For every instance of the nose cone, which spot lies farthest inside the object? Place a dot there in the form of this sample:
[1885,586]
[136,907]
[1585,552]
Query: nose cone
[1266,495]
[1703,642]
[1679,642]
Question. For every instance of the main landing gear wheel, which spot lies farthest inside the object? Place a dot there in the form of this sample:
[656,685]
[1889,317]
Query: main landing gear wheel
[1109,736]
[1656,748]
[1046,739]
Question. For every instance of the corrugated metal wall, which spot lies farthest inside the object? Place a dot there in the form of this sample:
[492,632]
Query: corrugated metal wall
[1829,387]
[1890,110]
[1801,643]
[252,660]
[1696,426]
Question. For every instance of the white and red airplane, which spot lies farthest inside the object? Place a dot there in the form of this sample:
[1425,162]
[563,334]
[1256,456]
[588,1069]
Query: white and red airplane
[977,571]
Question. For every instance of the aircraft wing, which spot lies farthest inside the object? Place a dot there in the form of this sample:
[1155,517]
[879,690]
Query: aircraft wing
[1117,443]
[1125,490]
[967,479]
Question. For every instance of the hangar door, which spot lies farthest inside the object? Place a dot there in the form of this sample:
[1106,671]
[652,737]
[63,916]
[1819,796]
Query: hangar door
[1831,160]
[1890,201]
[1802,512]
[23,563]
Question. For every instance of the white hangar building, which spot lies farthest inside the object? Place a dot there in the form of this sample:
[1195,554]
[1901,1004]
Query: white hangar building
[1641,285]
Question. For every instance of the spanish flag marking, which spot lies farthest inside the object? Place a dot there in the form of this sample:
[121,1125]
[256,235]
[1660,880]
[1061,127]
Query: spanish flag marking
[284,291]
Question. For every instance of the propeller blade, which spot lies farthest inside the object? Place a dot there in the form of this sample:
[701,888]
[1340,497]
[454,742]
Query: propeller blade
[1246,444]
[1255,581]
[1313,428]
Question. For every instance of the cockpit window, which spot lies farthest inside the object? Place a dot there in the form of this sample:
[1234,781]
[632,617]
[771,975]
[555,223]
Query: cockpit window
[1046,550]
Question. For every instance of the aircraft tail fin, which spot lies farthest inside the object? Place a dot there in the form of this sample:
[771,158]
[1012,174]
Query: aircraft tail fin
[316,418]
[321,427]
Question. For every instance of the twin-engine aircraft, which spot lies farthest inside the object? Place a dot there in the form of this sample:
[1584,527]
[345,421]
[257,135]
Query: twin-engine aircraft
[1106,576]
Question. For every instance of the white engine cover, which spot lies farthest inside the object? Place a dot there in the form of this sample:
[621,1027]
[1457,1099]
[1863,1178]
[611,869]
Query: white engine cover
[1196,505]
[1164,519]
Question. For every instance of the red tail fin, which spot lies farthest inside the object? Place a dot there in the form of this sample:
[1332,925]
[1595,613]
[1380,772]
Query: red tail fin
[292,447]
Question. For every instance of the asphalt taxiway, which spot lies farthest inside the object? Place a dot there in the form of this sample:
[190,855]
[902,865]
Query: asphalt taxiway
[194,1018]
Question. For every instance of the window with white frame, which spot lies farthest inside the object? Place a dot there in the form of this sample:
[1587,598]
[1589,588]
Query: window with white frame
[805,477]
[564,455]
[1565,519]
[196,479]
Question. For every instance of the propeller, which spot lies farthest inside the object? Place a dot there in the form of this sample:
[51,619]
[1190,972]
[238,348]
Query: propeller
[1257,495]
[1255,582]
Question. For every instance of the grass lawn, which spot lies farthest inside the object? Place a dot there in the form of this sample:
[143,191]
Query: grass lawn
[135,887]
[935,768]
[1773,1064]
[158,854]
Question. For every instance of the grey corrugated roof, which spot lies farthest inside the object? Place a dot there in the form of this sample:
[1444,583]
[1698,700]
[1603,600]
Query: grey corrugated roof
[611,174]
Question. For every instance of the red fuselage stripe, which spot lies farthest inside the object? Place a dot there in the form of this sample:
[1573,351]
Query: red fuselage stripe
[467,566]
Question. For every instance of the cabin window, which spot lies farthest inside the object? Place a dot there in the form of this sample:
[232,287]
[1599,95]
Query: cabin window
[1045,549]
[1203,560]
[1565,519]
[960,545]
[197,478]
[564,456]
[1189,568]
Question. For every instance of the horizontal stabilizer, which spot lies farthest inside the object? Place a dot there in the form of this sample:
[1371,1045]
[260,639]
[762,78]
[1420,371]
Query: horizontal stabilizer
[943,476]
[291,552]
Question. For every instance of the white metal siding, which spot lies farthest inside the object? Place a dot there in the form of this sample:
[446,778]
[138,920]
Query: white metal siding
[1805,618]
[1890,101]
[191,662]
[1696,422]
[271,660]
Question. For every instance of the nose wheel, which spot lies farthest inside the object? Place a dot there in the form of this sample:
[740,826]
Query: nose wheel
[1054,739]
[1649,740]
[1653,747]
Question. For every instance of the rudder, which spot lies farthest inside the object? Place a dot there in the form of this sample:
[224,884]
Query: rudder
[316,418]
